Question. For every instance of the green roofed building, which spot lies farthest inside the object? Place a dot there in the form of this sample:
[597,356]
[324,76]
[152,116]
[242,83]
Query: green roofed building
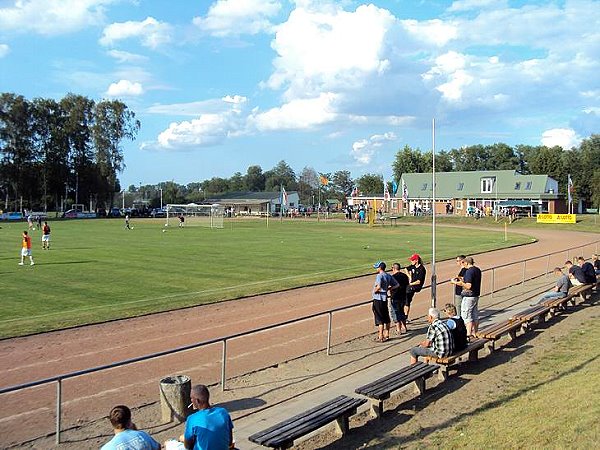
[465,193]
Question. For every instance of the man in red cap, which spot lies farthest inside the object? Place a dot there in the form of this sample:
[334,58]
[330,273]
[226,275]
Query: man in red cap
[416,274]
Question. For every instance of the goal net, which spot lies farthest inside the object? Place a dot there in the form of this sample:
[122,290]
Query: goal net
[210,216]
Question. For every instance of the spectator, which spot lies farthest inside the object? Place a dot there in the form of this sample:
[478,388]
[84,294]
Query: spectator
[384,283]
[560,289]
[588,270]
[471,285]
[127,436]
[210,428]
[576,274]
[457,328]
[459,277]
[596,263]
[438,341]
[398,298]
[416,275]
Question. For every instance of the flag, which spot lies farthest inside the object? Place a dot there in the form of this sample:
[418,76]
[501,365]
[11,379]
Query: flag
[386,192]
[404,191]
[570,188]
[394,187]
[324,180]
[284,197]
[354,192]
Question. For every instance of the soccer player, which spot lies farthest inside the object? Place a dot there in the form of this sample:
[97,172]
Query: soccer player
[181,220]
[46,236]
[127,222]
[26,248]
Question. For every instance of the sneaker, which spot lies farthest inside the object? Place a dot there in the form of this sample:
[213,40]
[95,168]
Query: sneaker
[32,263]
[20,264]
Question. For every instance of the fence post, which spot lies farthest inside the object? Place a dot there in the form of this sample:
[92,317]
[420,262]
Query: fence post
[547,266]
[58,408]
[223,364]
[524,269]
[493,278]
[329,333]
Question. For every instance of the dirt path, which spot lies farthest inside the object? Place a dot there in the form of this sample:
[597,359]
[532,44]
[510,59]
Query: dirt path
[89,397]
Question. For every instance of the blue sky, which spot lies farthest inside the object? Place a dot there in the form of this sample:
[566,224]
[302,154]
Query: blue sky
[221,85]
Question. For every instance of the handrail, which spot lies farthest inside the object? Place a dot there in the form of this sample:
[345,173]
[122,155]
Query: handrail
[59,378]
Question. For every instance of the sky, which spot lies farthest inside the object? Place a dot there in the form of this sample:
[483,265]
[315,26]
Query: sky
[333,85]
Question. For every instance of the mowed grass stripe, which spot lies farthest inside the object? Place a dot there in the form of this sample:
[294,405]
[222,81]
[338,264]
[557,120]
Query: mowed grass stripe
[97,270]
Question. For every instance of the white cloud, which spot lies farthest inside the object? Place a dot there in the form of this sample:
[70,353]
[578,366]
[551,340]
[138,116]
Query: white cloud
[209,129]
[52,17]
[4,50]
[297,114]
[364,149]
[468,5]
[125,88]
[434,32]
[236,17]
[329,50]
[150,31]
[562,137]
[195,109]
[126,57]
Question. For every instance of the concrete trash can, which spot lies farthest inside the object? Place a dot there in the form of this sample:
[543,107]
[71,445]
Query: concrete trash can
[175,398]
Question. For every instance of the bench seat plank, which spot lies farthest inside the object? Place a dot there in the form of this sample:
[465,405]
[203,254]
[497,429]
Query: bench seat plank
[283,434]
[383,387]
[497,330]
[444,363]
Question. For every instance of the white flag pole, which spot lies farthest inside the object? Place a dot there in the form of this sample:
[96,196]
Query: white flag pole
[433,274]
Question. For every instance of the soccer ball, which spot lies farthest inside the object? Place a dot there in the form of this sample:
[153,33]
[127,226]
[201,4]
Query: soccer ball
[164,231]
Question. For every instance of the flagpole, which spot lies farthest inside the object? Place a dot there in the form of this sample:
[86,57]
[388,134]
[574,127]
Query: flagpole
[433,274]
[281,203]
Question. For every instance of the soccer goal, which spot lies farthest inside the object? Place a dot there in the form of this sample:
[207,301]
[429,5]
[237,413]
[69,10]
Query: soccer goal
[194,215]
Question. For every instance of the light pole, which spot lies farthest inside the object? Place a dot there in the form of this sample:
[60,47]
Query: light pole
[433,274]
[161,203]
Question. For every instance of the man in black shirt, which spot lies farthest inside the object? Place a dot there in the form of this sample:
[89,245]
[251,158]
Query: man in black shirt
[457,327]
[416,275]
[589,273]
[596,263]
[398,298]
[576,275]
[457,288]
[471,285]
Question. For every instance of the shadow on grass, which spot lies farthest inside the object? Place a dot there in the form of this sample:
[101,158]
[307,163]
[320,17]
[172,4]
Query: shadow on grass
[380,429]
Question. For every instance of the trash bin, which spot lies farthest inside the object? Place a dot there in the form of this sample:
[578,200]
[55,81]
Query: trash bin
[175,398]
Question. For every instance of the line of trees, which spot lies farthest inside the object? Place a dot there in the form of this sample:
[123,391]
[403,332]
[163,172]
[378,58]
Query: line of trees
[68,151]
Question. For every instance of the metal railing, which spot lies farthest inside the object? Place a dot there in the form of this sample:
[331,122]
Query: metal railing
[58,379]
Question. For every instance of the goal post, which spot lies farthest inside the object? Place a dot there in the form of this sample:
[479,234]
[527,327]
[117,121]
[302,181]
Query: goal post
[210,216]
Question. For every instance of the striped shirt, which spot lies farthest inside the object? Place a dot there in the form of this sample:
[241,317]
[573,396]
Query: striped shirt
[438,334]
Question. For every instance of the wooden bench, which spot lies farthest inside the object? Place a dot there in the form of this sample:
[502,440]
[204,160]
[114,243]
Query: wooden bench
[472,350]
[282,435]
[531,314]
[495,331]
[380,390]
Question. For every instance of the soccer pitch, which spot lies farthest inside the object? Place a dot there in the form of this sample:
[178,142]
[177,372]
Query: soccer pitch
[97,270]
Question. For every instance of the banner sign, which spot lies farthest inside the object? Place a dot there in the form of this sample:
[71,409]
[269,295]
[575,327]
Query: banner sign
[557,218]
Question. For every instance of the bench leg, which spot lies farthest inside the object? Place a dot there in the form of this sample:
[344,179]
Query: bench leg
[420,386]
[342,425]
[286,446]
[490,347]
[376,408]
[443,372]
[474,355]
[512,334]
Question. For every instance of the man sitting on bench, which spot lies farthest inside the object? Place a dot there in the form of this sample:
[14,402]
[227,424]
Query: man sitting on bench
[560,290]
[438,341]
[457,327]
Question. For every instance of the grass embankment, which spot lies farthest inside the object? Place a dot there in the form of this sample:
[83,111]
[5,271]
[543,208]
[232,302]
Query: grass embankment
[97,270]
[555,403]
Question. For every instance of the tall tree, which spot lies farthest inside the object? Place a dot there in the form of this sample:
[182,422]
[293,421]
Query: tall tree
[342,184]
[370,184]
[408,160]
[280,175]
[588,155]
[255,179]
[308,183]
[502,157]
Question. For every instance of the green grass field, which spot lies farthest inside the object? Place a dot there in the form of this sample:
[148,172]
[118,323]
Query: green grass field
[96,270]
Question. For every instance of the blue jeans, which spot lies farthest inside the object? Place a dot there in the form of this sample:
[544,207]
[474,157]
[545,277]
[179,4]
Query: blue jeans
[551,295]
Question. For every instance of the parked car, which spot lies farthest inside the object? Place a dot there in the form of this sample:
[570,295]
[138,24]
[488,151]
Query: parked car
[114,212]
[157,212]
[70,214]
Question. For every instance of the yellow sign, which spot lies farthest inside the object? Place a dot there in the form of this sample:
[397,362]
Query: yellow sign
[557,218]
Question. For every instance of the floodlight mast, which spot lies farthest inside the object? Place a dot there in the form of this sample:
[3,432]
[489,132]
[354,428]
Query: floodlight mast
[433,274]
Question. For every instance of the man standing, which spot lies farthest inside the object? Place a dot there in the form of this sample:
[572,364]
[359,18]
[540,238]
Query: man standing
[457,328]
[438,341]
[46,236]
[416,275]
[384,283]
[576,275]
[127,222]
[398,298]
[471,285]
[210,428]
[26,248]
[127,436]
[596,263]
[560,290]
[454,281]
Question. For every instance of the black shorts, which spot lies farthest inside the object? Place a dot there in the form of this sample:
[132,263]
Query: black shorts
[409,298]
[381,312]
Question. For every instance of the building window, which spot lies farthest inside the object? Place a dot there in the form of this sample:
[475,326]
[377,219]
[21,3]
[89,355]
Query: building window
[486,185]
[528,186]
[460,186]
[517,185]
[459,204]
[424,187]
